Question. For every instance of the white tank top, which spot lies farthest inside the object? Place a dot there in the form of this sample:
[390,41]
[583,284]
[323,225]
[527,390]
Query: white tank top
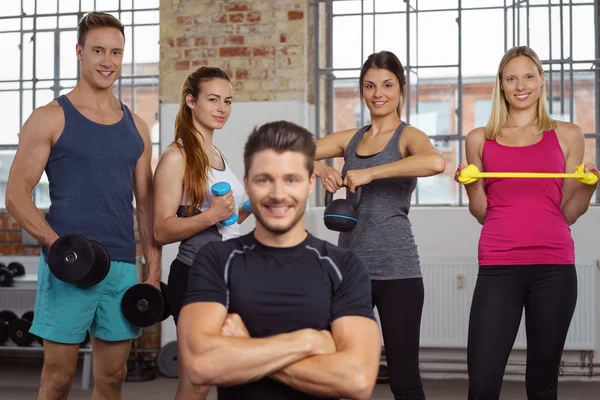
[223,175]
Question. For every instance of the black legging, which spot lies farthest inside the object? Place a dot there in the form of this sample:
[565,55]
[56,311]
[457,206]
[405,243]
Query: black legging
[399,304]
[177,286]
[549,295]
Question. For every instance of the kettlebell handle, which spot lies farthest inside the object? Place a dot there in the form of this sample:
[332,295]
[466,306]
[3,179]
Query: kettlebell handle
[357,196]
[328,197]
[355,200]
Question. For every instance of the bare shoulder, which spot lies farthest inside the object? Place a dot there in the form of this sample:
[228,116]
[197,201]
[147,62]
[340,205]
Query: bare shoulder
[411,130]
[173,154]
[47,120]
[140,124]
[48,115]
[474,145]
[476,135]
[568,132]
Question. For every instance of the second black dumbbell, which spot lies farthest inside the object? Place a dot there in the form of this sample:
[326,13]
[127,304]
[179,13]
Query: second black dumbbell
[144,305]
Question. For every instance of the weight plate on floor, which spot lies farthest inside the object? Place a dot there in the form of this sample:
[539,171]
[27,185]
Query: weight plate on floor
[142,305]
[17,268]
[19,332]
[167,360]
[71,258]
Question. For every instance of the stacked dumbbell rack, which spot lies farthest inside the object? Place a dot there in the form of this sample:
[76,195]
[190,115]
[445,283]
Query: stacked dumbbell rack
[17,299]
[18,285]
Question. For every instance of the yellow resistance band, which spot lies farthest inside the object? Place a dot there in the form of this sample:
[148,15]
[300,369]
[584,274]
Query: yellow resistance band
[471,174]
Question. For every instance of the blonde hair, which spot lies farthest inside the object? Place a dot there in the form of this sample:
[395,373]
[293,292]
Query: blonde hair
[499,114]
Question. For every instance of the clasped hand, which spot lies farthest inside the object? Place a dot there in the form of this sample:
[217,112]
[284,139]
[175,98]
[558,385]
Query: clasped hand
[332,179]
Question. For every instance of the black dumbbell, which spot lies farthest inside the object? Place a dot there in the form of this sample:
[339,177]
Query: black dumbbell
[341,215]
[6,276]
[19,330]
[144,305]
[75,259]
[5,319]
[17,268]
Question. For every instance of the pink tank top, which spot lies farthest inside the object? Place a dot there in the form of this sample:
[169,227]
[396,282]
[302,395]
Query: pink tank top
[524,223]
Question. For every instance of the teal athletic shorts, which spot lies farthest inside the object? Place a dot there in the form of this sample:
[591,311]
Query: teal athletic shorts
[63,312]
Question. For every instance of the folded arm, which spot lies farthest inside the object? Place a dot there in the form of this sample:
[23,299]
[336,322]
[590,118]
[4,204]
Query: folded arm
[350,372]
[423,158]
[212,359]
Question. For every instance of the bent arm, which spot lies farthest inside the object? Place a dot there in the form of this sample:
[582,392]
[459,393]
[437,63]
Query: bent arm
[212,359]
[168,182]
[242,215]
[475,190]
[331,146]
[144,204]
[33,151]
[423,160]
[576,195]
[350,372]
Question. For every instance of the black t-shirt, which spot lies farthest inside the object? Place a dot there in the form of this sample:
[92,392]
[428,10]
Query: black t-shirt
[280,290]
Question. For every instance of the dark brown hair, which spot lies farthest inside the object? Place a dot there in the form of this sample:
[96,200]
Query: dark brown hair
[385,60]
[197,164]
[97,19]
[280,136]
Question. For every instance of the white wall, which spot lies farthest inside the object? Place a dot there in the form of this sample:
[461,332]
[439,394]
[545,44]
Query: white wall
[447,233]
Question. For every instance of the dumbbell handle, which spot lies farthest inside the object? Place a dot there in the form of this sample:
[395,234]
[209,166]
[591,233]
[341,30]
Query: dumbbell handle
[246,206]
[220,189]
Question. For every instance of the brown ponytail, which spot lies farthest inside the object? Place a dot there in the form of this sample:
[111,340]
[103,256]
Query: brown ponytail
[197,164]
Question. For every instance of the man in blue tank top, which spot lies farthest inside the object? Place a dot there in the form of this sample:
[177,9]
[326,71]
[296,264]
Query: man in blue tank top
[96,154]
[279,313]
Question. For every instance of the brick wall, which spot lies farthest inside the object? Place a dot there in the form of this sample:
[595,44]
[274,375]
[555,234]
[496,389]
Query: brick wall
[10,244]
[262,44]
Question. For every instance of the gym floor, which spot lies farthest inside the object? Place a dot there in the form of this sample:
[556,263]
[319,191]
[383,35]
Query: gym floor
[19,379]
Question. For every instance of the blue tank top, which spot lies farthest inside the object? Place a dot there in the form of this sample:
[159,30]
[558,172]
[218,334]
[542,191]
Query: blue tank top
[90,174]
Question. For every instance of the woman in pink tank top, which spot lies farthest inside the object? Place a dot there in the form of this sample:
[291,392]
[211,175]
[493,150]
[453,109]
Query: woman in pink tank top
[526,252]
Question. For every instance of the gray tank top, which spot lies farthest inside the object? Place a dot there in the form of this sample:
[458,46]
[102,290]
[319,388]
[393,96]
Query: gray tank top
[383,236]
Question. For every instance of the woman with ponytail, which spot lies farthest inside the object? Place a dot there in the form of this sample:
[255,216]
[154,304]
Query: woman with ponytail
[185,209]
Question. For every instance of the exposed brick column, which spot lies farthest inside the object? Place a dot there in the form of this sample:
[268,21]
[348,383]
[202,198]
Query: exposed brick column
[264,45]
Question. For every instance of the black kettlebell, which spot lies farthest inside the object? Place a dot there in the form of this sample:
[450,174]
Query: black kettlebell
[341,215]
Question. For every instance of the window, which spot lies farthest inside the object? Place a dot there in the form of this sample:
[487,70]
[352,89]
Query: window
[450,86]
[39,40]
[562,111]
[433,117]
[483,109]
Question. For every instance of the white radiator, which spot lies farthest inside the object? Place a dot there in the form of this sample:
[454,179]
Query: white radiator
[449,289]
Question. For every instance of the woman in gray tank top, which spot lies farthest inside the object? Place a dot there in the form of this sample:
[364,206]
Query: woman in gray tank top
[185,211]
[386,158]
